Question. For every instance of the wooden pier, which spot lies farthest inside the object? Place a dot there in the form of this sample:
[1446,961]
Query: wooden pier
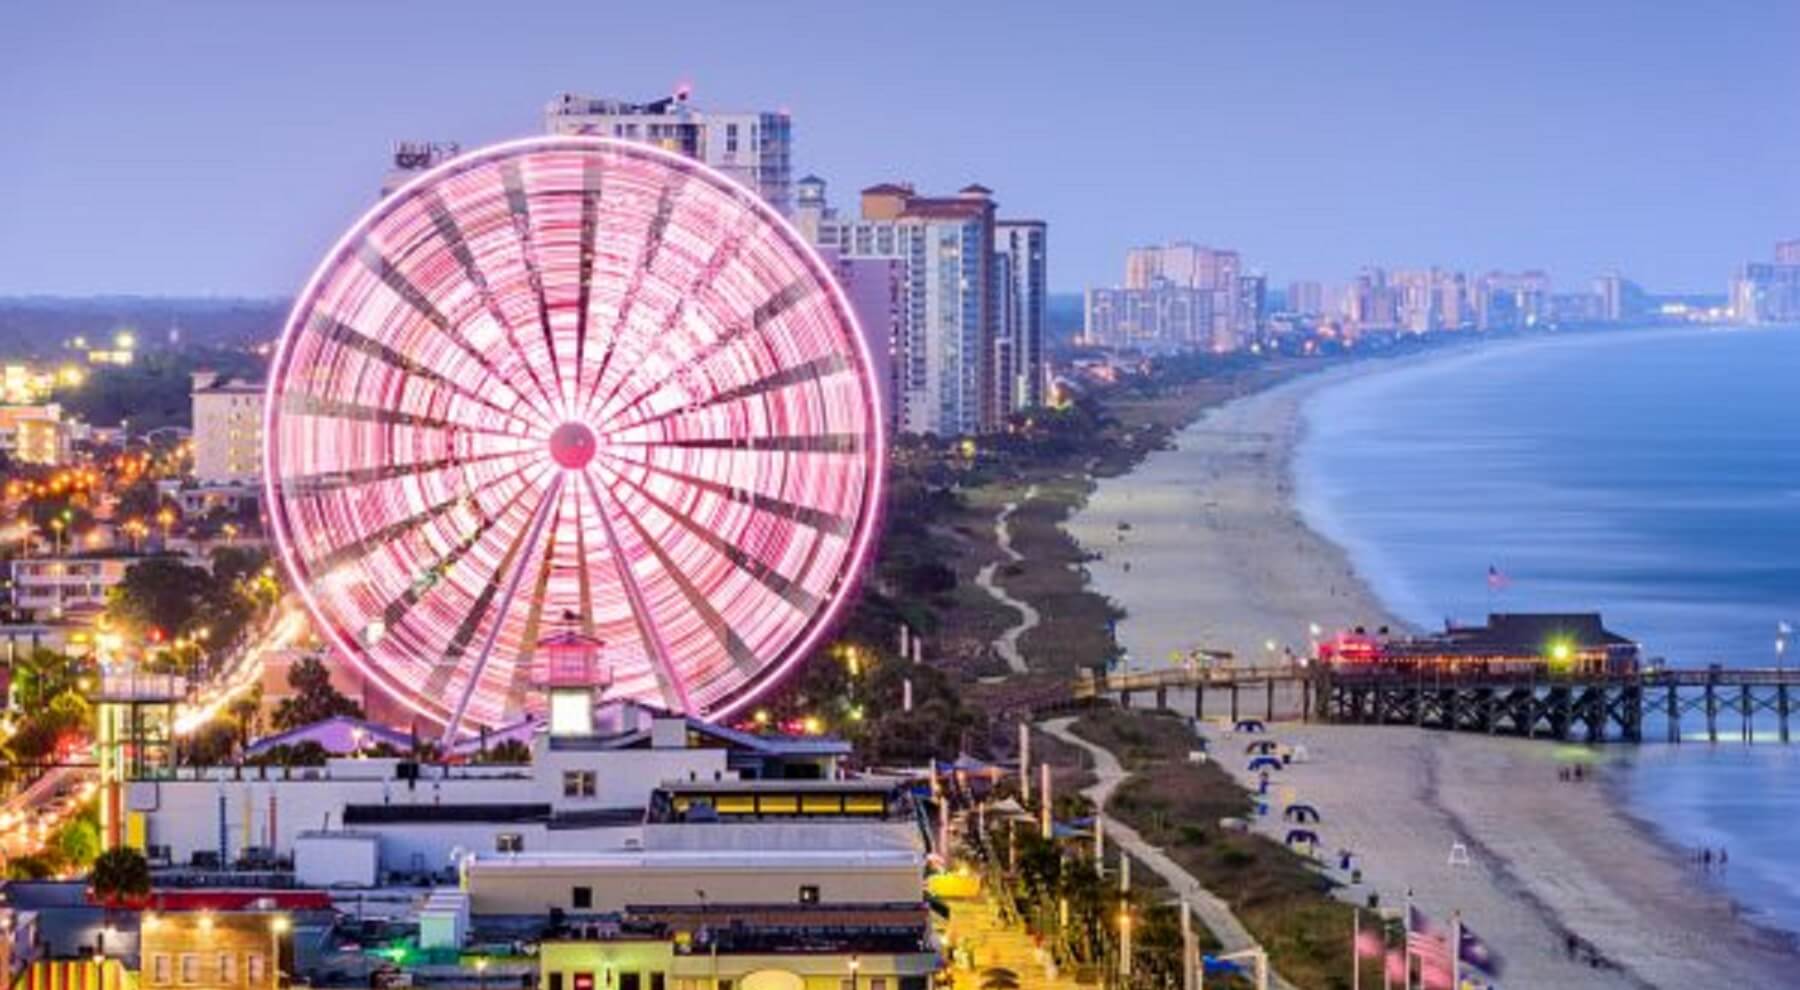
[1724,703]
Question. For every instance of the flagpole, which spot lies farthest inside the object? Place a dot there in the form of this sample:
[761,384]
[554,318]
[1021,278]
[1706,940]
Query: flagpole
[1355,950]
[1406,942]
[1456,950]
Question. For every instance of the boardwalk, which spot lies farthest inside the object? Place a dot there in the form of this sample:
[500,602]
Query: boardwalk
[1213,912]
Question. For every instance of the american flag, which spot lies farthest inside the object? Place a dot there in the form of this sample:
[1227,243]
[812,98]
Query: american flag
[1431,944]
[1497,580]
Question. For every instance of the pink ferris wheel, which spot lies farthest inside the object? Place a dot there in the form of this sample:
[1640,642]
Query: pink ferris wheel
[572,380]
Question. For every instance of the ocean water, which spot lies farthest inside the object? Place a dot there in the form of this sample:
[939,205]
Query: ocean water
[1653,476]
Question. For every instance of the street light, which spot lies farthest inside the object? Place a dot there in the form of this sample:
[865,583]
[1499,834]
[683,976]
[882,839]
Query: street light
[481,965]
[278,926]
[855,964]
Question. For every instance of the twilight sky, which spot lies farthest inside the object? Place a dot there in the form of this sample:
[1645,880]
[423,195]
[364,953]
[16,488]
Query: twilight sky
[220,147]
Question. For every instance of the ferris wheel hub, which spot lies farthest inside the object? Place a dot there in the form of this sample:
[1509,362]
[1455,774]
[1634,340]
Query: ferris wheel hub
[572,445]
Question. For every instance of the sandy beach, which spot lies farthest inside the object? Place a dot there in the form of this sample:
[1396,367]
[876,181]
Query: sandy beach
[1212,554]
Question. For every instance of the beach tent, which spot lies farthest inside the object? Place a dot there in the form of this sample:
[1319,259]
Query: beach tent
[1263,746]
[1264,762]
[1301,813]
[1302,835]
[1250,725]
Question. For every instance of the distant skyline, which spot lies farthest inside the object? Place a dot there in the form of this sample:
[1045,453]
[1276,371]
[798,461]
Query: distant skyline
[214,148]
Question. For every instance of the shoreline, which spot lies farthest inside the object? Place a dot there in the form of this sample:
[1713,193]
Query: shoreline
[1204,545]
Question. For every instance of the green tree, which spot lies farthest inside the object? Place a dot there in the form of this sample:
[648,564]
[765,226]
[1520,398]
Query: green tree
[314,699]
[161,592]
[121,876]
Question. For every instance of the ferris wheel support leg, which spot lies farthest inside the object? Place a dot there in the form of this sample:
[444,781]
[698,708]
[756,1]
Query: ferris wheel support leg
[659,651]
[512,589]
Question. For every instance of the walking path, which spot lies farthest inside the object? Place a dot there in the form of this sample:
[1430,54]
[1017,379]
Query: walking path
[1008,643]
[975,925]
[1214,913]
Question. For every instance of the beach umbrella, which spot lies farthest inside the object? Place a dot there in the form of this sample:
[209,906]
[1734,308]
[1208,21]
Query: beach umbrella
[999,978]
[1264,762]
[1301,813]
[1264,746]
[1302,835]
[1250,725]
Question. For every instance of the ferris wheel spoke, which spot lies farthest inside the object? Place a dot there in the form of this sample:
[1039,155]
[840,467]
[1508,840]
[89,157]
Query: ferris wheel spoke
[509,564]
[428,578]
[391,276]
[811,443]
[452,235]
[800,374]
[775,581]
[337,332]
[743,657]
[361,547]
[590,221]
[306,404]
[674,689]
[333,481]
[721,256]
[650,247]
[764,314]
[520,688]
[518,202]
[806,515]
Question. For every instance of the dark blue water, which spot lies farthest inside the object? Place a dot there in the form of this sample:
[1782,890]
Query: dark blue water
[1652,476]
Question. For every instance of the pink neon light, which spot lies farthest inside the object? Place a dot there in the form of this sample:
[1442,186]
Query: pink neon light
[705,381]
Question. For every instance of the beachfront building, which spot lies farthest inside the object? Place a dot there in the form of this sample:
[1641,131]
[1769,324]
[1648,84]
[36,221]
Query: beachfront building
[585,788]
[1178,296]
[1508,643]
[944,376]
[779,885]
[34,434]
[1764,292]
[755,147]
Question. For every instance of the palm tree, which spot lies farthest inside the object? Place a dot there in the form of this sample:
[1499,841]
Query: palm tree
[121,876]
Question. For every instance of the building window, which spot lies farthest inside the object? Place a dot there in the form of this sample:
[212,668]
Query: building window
[556,982]
[190,967]
[809,894]
[656,981]
[227,968]
[629,981]
[253,967]
[578,783]
[159,968]
[584,981]
[581,897]
[509,842]
[878,983]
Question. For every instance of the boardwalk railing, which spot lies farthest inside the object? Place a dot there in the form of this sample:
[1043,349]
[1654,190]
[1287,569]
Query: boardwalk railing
[1589,705]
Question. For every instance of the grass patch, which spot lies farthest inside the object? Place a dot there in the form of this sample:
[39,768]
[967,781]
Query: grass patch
[1177,805]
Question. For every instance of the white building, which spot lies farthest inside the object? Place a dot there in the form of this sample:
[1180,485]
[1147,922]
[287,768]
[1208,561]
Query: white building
[753,147]
[1175,296]
[49,587]
[581,792]
[1022,250]
[34,434]
[228,425]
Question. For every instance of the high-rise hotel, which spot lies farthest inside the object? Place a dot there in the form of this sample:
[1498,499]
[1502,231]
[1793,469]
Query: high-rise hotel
[753,147]
[958,298]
